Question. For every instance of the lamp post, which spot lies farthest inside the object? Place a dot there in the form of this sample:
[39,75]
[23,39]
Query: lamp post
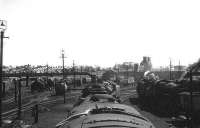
[3,27]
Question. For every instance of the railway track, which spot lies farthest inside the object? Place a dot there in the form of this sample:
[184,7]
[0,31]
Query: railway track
[8,100]
[11,100]
[125,94]
[28,106]
[32,102]
[10,103]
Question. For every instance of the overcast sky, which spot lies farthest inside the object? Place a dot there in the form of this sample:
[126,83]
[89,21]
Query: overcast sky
[101,32]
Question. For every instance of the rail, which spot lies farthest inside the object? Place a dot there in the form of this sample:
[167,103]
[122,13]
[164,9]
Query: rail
[30,105]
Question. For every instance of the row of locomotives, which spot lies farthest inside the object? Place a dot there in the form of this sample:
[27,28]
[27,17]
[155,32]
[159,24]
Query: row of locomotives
[55,85]
[171,96]
[96,88]
[107,87]
[100,109]
[41,84]
[61,86]
[160,96]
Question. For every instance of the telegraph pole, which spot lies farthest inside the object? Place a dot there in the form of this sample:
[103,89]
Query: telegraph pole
[1,76]
[170,70]
[2,29]
[191,100]
[47,71]
[74,73]
[27,76]
[179,68]
[63,63]
[127,73]
[63,70]
[96,73]
[118,75]
[81,75]
[19,99]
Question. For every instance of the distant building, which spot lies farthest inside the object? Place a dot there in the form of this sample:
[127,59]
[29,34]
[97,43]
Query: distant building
[136,67]
[145,64]
[161,68]
[179,68]
[173,68]
[126,66]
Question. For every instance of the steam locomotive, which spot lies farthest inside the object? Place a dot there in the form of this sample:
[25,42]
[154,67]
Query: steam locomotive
[171,96]
[99,108]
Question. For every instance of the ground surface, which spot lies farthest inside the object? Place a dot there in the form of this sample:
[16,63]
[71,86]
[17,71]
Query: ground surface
[51,118]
